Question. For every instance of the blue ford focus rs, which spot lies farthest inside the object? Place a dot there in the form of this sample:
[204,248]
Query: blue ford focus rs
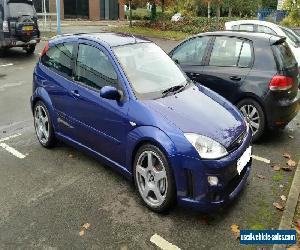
[124,101]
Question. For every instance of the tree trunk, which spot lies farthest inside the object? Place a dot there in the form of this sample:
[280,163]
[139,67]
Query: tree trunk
[230,12]
[163,6]
[209,10]
[218,13]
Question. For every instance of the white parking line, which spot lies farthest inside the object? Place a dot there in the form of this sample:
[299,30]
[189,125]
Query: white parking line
[258,158]
[13,151]
[9,137]
[162,243]
[6,65]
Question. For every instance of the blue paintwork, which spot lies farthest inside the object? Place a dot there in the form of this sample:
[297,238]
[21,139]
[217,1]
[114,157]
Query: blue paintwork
[112,131]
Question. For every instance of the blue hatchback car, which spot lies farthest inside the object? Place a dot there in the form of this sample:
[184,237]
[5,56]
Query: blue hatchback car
[124,101]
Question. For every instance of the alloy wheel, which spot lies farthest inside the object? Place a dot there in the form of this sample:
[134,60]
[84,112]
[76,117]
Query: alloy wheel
[252,115]
[41,123]
[151,178]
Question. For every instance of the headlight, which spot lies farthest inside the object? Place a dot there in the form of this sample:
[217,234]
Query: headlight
[206,147]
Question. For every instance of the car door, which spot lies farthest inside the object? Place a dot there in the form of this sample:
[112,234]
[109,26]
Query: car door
[103,124]
[228,64]
[55,75]
[190,56]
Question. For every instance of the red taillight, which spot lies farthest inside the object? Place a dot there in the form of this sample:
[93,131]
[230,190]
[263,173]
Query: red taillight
[281,83]
[45,49]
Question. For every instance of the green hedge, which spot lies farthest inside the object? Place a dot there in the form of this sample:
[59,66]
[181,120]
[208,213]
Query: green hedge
[191,25]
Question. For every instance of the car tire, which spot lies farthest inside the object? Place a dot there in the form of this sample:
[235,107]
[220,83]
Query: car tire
[43,125]
[154,182]
[255,116]
[30,50]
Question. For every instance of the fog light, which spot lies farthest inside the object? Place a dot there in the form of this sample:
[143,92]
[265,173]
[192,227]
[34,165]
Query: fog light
[213,180]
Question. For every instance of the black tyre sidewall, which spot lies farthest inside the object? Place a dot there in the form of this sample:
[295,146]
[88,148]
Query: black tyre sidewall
[171,190]
[51,140]
[262,125]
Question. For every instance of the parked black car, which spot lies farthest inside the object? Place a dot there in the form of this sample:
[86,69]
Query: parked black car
[256,72]
[18,25]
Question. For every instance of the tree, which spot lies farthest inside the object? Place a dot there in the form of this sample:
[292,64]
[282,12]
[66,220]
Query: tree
[208,2]
[218,11]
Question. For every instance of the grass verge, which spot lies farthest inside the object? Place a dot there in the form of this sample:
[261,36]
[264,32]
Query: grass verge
[148,32]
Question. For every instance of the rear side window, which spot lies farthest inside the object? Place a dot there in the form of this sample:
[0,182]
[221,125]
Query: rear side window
[231,52]
[59,59]
[94,68]
[284,56]
[265,29]
[247,27]
[192,51]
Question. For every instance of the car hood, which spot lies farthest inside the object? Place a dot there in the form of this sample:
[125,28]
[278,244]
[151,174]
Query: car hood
[203,112]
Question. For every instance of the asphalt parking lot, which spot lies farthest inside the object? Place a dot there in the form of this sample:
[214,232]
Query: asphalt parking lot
[47,195]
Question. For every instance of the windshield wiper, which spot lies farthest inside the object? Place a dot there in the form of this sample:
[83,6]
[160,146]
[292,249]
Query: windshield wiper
[174,89]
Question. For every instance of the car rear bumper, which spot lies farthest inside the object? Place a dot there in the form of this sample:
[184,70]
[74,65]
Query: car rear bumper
[193,189]
[13,42]
[280,113]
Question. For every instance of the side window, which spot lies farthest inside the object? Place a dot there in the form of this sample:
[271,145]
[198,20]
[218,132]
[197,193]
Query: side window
[247,27]
[59,59]
[230,52]
[265,29]
[235,27]
[192,51]
[94,68]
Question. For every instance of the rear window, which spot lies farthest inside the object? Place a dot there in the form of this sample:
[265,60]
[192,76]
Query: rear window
[284,55]
[21,9]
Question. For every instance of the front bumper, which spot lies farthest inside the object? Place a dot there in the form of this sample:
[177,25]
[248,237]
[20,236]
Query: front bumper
[193,189]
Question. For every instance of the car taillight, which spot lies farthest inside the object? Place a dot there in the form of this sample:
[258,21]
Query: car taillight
[5,26]
[45,49]
[281,83]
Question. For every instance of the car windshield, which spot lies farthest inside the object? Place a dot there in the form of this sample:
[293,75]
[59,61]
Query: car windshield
[21,9]
[292,36]
[149,69]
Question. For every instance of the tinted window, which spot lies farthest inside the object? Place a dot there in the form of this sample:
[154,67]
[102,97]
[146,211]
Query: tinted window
[229,51]
[284,55]
[21,9]
[247,27]
[192,51]
[265,29]
[94,68]
[59,58]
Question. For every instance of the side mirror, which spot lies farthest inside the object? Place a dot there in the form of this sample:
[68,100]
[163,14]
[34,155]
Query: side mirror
[110,93]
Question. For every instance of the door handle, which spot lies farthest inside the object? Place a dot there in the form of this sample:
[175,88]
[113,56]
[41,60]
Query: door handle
[75,93]
[235,78]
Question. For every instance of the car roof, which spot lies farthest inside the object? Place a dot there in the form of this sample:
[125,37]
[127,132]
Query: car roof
[242,34]
[258,22]
[109,39]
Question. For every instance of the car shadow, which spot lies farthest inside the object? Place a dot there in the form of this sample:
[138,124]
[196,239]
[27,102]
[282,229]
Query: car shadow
[18,54]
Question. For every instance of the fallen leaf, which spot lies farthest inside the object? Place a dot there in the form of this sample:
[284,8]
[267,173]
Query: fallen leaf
[276,167]
[283,197]
[235,230]
[295,247]
[286,168]
[261,176]
[281,186]
[292,137]
[287,155]
[278,206]
[86,225]
[291,163]
[204,220]
[81,232]
[297,226]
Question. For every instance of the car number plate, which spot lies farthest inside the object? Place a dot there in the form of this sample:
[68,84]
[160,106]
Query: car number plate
[245,158]
[28,28]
